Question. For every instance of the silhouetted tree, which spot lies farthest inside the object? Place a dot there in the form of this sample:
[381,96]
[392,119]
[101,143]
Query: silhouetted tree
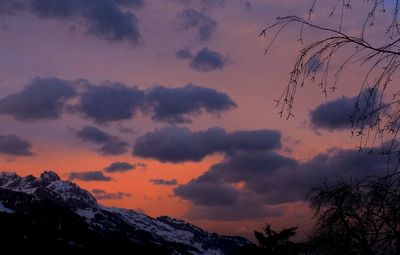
[278,243]
[375,46]
[357,217]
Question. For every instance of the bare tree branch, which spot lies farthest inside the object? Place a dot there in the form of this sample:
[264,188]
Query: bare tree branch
[376,115]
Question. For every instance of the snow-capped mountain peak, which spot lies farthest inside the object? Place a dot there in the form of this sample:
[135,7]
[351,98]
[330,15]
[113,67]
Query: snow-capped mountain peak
[175,235]
[49,176]
[48,184]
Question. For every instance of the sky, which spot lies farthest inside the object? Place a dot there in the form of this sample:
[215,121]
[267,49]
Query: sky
[168,107]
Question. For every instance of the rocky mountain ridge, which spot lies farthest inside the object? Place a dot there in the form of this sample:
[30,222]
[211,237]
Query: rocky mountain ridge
[60,208]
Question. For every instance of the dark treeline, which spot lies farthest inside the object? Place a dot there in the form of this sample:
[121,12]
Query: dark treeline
[356,217]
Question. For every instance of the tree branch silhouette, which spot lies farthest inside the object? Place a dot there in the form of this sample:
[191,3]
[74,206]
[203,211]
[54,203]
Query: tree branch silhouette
[376,115]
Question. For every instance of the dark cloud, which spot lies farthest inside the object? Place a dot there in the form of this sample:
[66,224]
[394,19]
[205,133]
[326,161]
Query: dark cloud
[271,180]
[175,105]
[100,194]
[184,54]
[175,144]
[47,98]
[93,134]
[111,20]
[254,169]
[111,145]
[106,20]
[207,60]
[114,147]
[120,167]
[333,114]
[89,176]
[338,114]
[110,102]
[193,19]
[208,193]
[43,98]
[172,182]
[14,146]
[115,102]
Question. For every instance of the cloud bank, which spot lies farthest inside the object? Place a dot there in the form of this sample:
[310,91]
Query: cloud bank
[268,181]
[111,20]
[42,99]
[121,167]
[49,98]
[176,144]
[14,145]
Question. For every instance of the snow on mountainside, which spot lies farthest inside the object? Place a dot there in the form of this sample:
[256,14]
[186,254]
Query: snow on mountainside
[181,237]
[51,183]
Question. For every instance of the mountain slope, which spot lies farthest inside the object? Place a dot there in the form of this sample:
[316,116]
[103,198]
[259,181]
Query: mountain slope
[49,213]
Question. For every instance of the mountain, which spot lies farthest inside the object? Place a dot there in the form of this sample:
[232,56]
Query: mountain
[50,214]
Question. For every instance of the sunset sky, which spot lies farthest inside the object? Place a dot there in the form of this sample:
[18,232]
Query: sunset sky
[167,106]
